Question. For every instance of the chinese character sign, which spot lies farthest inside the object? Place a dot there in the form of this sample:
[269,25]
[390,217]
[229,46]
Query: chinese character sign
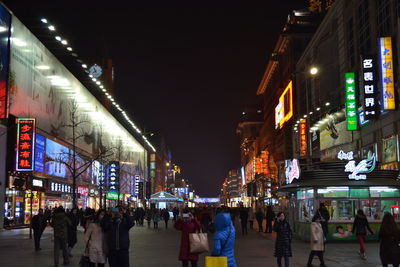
[303,138]
[387,77]
[25,144]
[369,87]
[351,103]
[113,176]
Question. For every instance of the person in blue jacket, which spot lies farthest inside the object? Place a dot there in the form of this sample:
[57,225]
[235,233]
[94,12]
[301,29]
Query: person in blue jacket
[224,238]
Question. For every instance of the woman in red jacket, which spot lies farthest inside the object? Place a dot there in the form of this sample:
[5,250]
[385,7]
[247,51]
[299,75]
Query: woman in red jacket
[187,224]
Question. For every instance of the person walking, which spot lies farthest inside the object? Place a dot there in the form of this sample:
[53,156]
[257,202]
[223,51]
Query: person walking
[166,217]
[72,229]
[187,225]
[60,224]
[175,212]
[94,238]
[148,217]
[224,238]
[117,229]
[324,214]
[283,247]
[389,238]
[244,216]
[38,225]
[156,218]
[360,227]
[317,241]
[251,217]
[260,218]
[269,217]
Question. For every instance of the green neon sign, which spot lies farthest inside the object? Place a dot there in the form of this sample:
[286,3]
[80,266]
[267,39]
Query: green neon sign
[351,102]
[114,195]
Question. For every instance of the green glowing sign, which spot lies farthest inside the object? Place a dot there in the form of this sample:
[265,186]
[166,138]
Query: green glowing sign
[351,103]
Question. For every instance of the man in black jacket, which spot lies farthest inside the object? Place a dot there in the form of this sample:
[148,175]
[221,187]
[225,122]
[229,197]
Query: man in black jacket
[38,224]
[117,231]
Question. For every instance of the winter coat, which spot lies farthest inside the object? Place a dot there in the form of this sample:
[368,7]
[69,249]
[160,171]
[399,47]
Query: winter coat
[283,239]
[96,246]
[224,238]
[251,215]
[244,215]
[72,238]
[117,231]
[317,237]
[60,223]
[270,215]
[166,216]
[389,249]
[324,213]
[156,217]
[361,225]
[187,228]
[259,216]
[39,223]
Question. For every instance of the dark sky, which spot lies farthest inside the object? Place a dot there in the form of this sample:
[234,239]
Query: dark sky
[184,70]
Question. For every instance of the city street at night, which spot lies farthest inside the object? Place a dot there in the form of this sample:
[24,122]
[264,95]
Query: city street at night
[160,248]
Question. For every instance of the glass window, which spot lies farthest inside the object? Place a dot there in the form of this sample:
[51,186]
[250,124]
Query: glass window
[375,209]
[304,194]
[333,191]
[359,193]
[306,210]
[341,209]
[384,191]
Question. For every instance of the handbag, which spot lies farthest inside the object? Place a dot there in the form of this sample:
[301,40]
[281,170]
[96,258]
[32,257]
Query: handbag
[198,242]
[85,260]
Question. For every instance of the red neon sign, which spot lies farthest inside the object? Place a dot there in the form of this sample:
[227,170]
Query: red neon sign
[25,144]
[303,138]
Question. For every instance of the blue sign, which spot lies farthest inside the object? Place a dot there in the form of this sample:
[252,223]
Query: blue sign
[56,157]
[207,200]
[113,176]
[39,153]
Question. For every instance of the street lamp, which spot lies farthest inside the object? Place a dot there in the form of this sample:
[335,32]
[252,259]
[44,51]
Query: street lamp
[314,71]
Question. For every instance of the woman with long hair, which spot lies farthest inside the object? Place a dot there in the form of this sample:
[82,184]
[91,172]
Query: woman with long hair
[389,237]
[360,227]
[283,248]
[94,240]
[317,241]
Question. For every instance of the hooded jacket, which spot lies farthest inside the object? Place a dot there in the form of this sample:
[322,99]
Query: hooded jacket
[224,238]
[361,225]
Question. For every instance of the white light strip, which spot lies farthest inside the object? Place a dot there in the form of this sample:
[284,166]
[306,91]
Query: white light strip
[98,83]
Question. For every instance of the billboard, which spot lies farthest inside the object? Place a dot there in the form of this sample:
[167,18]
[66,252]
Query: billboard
[113,176]
[351,101]
[39,152]
[284,109]
[386,69]
[370,89]
[303,138]
[25,144]
[334,134]
[5,25]
[55,155]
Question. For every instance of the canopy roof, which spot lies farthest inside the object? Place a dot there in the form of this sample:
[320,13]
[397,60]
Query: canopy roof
[163,196]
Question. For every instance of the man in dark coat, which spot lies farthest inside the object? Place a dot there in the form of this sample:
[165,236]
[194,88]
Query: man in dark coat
[244,216]
[38,225]
[60,223]
[117,231]
[324,214]
[72,229]
[269,217]
[260,218]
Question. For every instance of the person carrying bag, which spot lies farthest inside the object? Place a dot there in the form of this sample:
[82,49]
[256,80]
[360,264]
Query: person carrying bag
[224,241]
[85,261]
[198,242]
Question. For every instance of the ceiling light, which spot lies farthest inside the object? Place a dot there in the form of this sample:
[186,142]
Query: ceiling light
[94,79]
[58,38]
[318,108]
[69,48]
[313,71]
[43,20]
[327,104]
[107,94]
[311,112]
[42,67]
[84,66]
[104,90]
[304,116]
[64,42]
[101,86]
[3,29]
[52,28]
[98,82]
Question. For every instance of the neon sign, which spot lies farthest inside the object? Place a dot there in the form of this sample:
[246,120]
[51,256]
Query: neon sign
[303,138]
[387,77]
[351,104]
[359,171]
[113,176]
[370,88]
[292,170]
[284,109]
[25,144]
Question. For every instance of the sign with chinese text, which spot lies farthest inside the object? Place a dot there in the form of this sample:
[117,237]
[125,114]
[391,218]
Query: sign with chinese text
[369,87]
[60,187]
[303,138]
[113,176]
[83,190]
[387,77]
[25,144]
[351,103]
[357,171]
[284,109]
[137,180]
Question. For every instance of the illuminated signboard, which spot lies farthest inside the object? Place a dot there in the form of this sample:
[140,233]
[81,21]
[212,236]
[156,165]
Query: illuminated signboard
[370,88]
[207,200]
[114,195]
[39,153]
[387,77]
[351,103]
[137,180]
[113,176]
[292,170]
[60,187]
[303,138]
[83,190]
[284,109]
[5,54]
[359,171]
[25,144]
[37,182]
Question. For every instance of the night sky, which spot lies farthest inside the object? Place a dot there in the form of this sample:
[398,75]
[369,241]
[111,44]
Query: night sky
[183,70]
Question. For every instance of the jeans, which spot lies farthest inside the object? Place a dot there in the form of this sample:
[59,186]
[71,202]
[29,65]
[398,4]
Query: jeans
[361,241]
[279,261]
[268,228]
[60,243]
[37,234]
[118,258]
[186,263]
[260,227]
[319,254]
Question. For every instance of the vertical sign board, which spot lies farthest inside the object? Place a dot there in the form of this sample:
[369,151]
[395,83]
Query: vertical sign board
[284,109]
[369,87]
[140,195]
[303,138]
[387,77]
[5,22]
[351,104]
[25,144]
[113,176]
[137,180]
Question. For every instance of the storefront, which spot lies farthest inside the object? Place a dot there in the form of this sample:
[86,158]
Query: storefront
[165,200]
[59,194]
[343,193]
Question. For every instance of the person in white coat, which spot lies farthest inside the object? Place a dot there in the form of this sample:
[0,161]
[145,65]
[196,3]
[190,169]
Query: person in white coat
[317,241]
[96,247]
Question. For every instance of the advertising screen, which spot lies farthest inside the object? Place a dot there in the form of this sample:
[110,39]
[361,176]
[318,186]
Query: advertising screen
[39,153]
[55,155]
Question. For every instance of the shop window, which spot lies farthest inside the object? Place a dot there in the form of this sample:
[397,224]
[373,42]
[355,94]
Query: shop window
[305,194]
[306,210]
[375,209]
[333,192]
[341,210]
[359,193]
[384,191]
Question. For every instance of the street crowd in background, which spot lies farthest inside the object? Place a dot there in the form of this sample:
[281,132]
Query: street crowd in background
[106,232]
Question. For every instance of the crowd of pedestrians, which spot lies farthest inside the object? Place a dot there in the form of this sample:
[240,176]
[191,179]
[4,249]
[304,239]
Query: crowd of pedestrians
[106,232]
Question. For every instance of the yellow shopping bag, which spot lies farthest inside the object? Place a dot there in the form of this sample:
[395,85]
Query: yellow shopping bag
[216,261]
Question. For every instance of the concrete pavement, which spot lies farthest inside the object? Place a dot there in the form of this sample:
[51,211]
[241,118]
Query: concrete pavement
[160,248]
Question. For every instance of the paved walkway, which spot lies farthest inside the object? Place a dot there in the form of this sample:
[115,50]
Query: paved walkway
[160,248]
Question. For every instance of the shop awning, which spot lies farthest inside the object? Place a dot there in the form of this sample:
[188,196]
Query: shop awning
[163,196]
